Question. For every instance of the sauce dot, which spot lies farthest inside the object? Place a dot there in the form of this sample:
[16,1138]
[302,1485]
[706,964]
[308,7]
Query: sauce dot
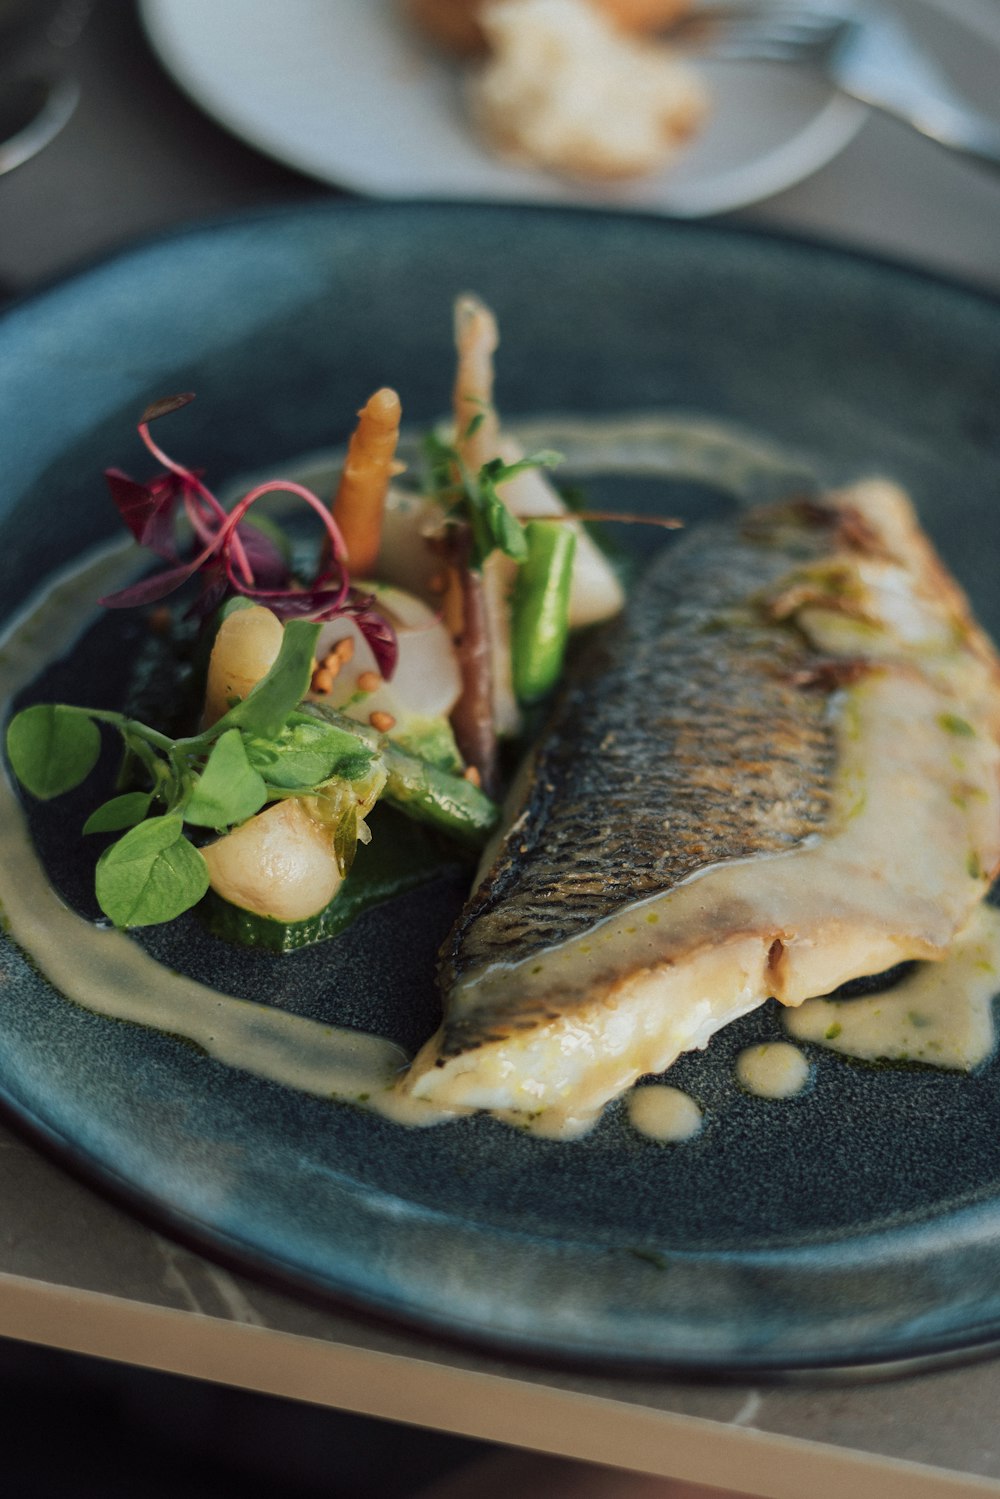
[773,1069]
[663,1113]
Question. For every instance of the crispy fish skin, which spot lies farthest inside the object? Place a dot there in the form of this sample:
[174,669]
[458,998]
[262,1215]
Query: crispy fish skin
[684,740]
[710,822]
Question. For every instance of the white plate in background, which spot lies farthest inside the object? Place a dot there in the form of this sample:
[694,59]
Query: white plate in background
[348,93]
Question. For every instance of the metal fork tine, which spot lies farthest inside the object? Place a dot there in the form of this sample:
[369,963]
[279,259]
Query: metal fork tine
[756,48]
[747,10]
[782,42]
[784,32]
[769,29]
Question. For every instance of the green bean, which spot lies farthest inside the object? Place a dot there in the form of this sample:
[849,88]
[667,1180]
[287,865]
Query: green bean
[540,623]
[437,797]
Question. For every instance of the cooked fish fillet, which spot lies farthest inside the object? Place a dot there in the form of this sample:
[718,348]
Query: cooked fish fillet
[778,771]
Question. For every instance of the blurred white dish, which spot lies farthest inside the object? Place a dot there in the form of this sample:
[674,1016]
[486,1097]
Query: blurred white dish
[349,94]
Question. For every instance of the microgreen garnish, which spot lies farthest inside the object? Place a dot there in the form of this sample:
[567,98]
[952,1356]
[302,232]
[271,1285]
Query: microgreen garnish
[263,749]
[232,555]
[474,499]
[228,790]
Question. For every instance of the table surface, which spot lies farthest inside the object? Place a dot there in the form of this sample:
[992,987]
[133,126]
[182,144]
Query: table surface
[77,1272]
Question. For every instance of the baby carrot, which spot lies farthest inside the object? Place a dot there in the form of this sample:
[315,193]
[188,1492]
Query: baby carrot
[370,464]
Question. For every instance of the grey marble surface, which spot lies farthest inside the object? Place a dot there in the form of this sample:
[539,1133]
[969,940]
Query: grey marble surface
[139,157]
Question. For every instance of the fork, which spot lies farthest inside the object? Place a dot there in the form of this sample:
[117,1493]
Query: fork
[866,53]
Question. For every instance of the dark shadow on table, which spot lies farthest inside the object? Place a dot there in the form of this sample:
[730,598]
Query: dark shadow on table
[73,1427]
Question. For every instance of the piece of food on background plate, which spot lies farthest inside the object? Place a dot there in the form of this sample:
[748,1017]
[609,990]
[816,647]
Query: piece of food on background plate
[565,90]
[780,771]
[572,86]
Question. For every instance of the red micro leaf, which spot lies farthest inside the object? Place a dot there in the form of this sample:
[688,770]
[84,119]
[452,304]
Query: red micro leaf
[299,603]
[236,556]
[379,634]
[150,590]
[214,592]
[147,510]
[266,561]
[165,406]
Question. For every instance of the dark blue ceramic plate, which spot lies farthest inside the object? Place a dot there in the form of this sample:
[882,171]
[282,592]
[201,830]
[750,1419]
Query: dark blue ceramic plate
[858,1222]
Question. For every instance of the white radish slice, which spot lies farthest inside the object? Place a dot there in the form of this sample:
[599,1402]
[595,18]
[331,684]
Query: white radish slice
[426,682]
[595,592]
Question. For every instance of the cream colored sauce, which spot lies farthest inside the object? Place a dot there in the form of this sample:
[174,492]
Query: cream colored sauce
[663,1113]
[668,445]
[548,1124]
[772,1069]
[941,1014]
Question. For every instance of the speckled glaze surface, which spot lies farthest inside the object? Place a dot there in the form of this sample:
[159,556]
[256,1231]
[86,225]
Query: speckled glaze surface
[858,1221]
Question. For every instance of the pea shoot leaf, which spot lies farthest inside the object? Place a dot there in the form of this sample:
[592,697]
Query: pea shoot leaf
[352,767]
[152,874]
[307,752]
[475,498]
[52,748]
[265,709]
[493,526]
[120,812]
[228,790]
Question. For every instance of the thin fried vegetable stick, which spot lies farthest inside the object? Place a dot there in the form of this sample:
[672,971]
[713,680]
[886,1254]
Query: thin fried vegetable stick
[477,438]
[465,615]
[370,464]
[472,716]
[477,431]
